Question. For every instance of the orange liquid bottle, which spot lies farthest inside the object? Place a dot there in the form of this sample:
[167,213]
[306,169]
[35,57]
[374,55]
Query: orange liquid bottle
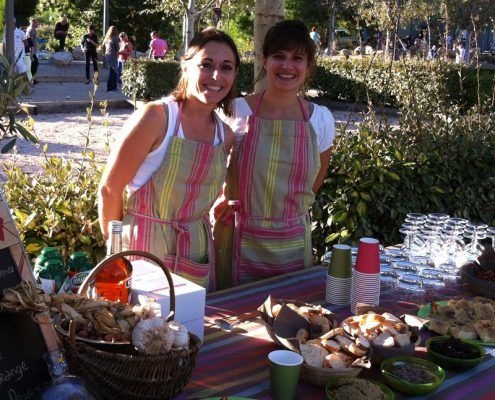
[114,281]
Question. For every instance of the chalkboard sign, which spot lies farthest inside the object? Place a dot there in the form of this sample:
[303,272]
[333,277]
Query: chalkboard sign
[23,371]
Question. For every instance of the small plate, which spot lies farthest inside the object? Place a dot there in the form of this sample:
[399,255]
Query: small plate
[425,312]
[451,362]
[408,387]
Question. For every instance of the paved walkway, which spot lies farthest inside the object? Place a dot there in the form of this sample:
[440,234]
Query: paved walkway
[64,89]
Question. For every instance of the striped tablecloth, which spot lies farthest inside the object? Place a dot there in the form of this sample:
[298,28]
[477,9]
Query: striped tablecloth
[234,363]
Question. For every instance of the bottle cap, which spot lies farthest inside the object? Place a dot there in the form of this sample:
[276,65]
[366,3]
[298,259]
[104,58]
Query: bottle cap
[115,226]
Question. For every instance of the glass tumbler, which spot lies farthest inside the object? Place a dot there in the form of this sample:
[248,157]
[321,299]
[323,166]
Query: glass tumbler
[409,292]
[433,284]
[388,277]
[404,268]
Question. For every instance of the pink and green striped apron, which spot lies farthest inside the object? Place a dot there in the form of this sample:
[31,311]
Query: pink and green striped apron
[265,229]
[169,215]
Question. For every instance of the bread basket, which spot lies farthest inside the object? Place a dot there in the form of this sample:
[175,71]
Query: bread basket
[121,372]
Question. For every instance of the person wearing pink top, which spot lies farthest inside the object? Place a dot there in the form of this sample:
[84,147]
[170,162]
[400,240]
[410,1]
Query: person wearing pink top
[158,46]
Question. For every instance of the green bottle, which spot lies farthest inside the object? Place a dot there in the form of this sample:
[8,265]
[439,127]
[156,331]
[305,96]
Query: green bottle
[79,268]
[51,275]
[48,253]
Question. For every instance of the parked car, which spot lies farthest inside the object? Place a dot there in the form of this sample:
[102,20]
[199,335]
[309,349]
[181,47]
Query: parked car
[345,40]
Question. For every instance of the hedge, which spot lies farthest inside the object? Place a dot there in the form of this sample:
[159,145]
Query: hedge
[147,79]
[354,80]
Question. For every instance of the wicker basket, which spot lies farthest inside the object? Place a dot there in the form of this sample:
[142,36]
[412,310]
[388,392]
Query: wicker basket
[321,376]
[124,373]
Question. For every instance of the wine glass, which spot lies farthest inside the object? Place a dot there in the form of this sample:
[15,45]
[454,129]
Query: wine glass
[475,231]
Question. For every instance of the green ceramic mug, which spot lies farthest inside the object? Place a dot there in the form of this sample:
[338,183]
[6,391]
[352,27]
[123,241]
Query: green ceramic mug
[285,367]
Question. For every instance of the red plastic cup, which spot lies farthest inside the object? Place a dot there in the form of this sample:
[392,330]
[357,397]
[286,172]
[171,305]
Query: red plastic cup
[368,256]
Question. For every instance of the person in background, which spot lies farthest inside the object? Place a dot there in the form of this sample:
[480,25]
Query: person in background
[460,53]
[28,49]
[433,53]
[32,43]
[172,159]
[316,38]
[19,49]
[89,44]
[61,31]
[125,52]
[158,46]
[111,46]
[281,155]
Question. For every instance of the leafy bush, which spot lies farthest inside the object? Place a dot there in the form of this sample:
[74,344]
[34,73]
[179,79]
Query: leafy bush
[12,86]
[397,84]
[149,79]
[379,173]
[366,80]
[56,206]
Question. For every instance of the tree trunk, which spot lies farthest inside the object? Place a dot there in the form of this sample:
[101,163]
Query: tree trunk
[188,27]
[447,25]
[331,28]
[267,13]
[9,31]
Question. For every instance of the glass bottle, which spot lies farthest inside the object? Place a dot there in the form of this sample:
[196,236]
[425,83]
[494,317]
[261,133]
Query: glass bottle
[51,275]
[79,267]
[114,281]
[63,386]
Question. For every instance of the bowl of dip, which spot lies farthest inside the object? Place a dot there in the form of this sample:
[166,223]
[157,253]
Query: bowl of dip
[452,353]
[411,375]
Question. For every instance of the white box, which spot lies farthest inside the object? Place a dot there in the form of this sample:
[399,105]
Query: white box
[149,280]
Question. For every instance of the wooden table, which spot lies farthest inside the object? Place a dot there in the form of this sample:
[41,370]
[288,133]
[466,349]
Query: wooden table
[234,363]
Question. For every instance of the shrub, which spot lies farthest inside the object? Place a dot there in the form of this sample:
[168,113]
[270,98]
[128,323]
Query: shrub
[356,80]
[56,206]
[378,174]
[371,79]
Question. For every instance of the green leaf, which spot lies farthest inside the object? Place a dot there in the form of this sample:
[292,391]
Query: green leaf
[361,209]
[34,248]
[9,146]
[25,133]
[332,238]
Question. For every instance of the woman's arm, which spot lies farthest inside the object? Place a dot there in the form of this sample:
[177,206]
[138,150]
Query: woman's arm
[142,133]
[325,161]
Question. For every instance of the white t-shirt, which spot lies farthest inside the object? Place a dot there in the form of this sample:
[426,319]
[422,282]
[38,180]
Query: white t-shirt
[321,120]
[19,36]
[154,159]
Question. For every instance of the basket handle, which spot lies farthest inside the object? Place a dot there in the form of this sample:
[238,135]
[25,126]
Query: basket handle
[92,275]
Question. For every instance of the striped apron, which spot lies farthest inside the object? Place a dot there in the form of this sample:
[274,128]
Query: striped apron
[263,229]
[169,215]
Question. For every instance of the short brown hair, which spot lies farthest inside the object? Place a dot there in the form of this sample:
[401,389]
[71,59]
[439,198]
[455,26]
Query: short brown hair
[290,34]
[197,43]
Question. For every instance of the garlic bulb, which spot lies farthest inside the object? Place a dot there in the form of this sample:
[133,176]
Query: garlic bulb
[181,334]
[153,336]
[148,308]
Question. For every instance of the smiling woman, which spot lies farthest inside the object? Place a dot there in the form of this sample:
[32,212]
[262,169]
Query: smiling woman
[262,228]
[172,160]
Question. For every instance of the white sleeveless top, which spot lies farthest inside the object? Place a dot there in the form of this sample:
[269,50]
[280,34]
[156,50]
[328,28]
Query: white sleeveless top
[154,159]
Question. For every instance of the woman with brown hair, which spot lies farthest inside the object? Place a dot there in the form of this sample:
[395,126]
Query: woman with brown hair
[172,160]
[280,158]
[111,47]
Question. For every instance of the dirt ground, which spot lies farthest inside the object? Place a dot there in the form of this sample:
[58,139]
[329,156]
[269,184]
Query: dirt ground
[65,135]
